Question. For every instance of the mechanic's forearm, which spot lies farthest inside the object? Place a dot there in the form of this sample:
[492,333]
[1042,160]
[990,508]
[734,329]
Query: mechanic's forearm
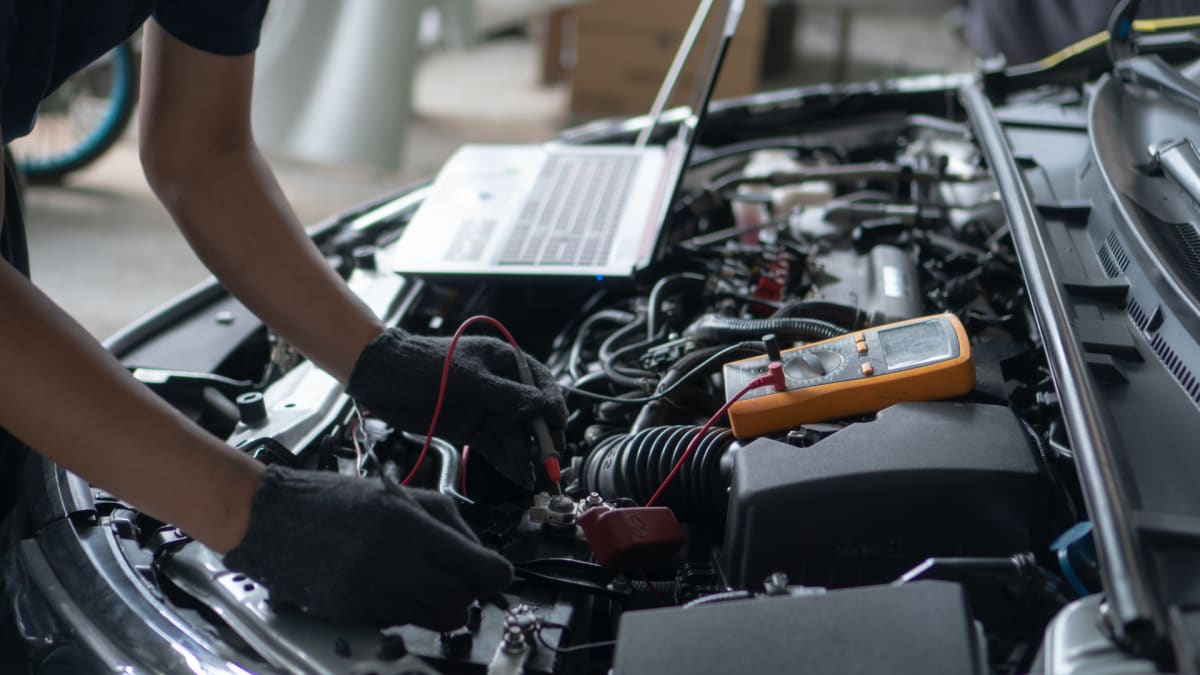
[71,401]
[235,216]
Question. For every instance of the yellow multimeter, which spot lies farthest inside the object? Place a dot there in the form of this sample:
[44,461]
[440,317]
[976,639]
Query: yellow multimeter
[862,372]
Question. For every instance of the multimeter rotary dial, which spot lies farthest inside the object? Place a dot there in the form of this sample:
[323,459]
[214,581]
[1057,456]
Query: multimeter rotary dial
[813,364]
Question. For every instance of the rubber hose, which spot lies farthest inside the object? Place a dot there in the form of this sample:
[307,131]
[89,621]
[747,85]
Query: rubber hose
[714,328]
[633,466]
[845,316]
[655,413]
[654,314]
[614,340]
[680,407]
[607,315]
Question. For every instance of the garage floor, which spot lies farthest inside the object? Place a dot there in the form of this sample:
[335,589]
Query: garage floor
[104,248]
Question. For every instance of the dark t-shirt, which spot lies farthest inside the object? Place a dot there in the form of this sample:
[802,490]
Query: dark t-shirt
[43,42]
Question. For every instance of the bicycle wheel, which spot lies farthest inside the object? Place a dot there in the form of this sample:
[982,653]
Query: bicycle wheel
[81,119]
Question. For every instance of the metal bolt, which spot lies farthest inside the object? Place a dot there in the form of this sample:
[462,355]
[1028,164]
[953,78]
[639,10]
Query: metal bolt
[224,318]
[513,641]
[560,513]
[519,616]
[594,499]
[776,584]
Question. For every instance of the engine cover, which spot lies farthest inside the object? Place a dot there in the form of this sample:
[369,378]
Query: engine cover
[925,627]
[876,498]
[884,284]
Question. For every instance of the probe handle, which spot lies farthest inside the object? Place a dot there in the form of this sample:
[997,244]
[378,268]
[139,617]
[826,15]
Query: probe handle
[541,431]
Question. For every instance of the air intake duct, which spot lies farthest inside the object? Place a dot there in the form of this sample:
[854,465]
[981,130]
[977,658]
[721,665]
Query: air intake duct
[633,466]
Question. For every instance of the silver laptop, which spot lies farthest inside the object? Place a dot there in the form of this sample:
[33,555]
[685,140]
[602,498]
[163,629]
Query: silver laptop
[564,210]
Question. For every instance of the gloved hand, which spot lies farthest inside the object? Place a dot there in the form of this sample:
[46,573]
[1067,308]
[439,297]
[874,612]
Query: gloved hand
[346,548]
[397,376]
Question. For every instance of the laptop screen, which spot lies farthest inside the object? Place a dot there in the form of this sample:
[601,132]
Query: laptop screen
[729,14]
[679,150]
[725,21]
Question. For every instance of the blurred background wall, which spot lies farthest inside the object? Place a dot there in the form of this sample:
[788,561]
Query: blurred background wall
[355,98]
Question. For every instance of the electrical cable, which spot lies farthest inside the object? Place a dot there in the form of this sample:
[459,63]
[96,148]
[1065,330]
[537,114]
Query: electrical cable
[573,648]
[702,367]
[725,596]
[566,563]
[587,572]
[570,584]
[623,379]
[354,427]
[628,377]
[754,384]
[541,432]
[659,292]
[610,343]
[613,315]
[359,425]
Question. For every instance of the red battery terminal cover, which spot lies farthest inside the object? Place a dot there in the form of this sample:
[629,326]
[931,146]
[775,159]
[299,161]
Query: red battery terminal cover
[631,538]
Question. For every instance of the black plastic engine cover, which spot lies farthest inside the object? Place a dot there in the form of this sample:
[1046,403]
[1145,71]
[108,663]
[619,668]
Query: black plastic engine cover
[924,627]
[876,498]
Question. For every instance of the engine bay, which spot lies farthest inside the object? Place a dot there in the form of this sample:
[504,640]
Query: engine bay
[922,517]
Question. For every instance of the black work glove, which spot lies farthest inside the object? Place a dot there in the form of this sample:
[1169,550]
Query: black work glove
[347,549]
[487,407]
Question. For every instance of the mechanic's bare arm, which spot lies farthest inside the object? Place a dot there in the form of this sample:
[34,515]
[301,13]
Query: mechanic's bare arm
[69,399]
[200,157]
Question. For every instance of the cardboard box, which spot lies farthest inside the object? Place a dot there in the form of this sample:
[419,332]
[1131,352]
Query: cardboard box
[624,48]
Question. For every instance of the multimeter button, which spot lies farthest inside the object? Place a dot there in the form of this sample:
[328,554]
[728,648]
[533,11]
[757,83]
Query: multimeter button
[868,369]
[861,347]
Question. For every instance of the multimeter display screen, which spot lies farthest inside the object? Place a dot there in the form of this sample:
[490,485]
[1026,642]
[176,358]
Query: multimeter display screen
[914,344]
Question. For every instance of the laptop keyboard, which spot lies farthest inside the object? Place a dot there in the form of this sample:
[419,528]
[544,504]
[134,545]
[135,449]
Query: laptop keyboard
[572,212]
